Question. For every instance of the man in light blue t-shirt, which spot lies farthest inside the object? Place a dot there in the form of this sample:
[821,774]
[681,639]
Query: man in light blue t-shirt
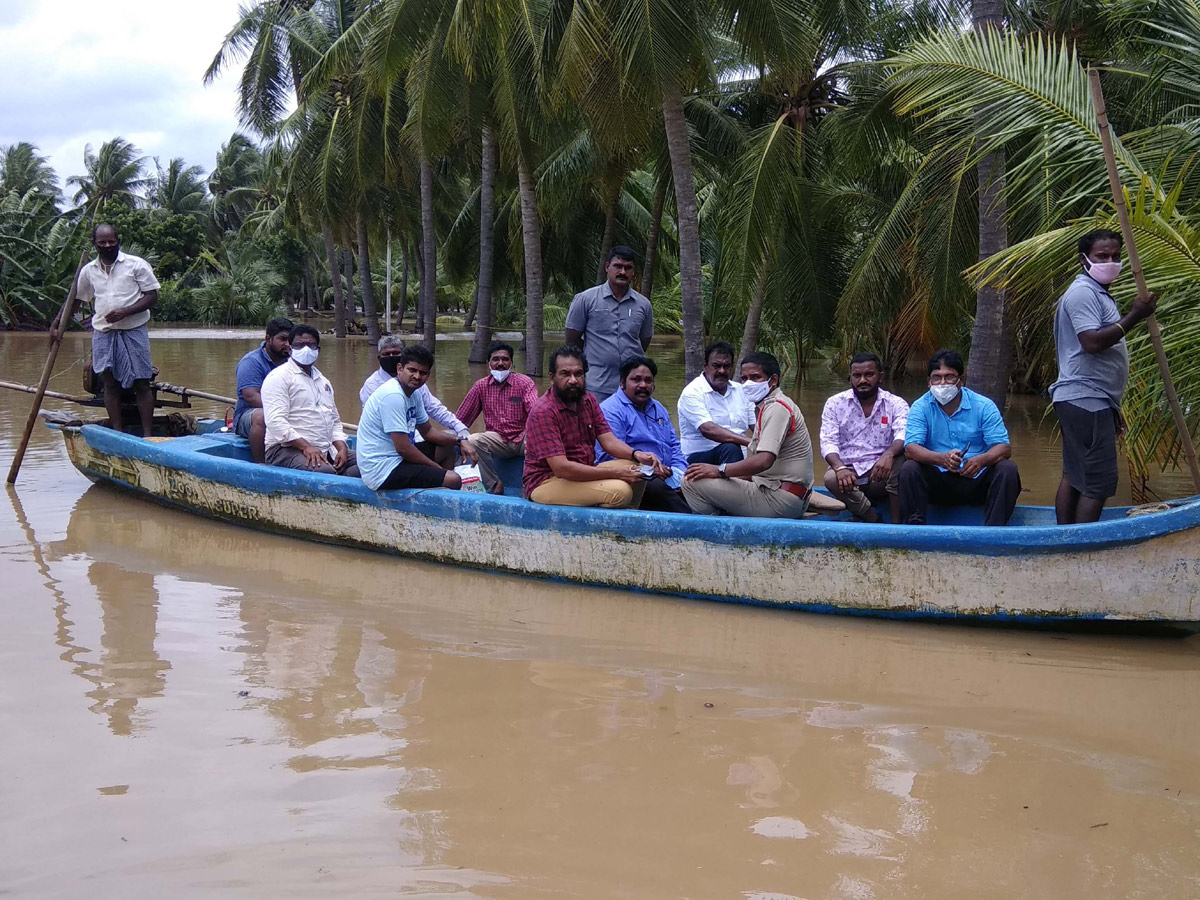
[387,458]
[1093,368]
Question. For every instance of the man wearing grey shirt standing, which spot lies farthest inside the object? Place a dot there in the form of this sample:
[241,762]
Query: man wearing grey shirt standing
[612,322]
[1093,368]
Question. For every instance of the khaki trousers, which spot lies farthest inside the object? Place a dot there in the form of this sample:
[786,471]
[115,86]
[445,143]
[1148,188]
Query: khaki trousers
[611,493]
[737,497]
[859,499]
[489,445]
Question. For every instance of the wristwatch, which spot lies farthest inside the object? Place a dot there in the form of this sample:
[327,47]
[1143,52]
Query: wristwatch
[721,469]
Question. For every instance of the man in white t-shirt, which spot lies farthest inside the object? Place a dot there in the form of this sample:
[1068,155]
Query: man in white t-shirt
[715,418]
[124,290]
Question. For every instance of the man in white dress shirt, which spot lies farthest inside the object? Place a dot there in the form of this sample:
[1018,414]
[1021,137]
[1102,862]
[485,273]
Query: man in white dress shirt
[124,290]
[714,417]
[304,428]
[389,349]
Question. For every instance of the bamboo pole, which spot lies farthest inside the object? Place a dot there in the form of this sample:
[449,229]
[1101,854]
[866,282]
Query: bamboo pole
[56,336]
[217,398]
[1135,263]
[54,395]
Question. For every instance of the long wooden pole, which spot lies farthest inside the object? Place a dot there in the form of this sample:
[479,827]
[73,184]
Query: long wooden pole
[1135,263]
[56,336]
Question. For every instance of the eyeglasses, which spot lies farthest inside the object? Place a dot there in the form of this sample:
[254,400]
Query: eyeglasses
[943,379]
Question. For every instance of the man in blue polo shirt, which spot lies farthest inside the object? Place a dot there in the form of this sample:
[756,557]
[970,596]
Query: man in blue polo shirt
[253,368]
[643,423]
[957,449]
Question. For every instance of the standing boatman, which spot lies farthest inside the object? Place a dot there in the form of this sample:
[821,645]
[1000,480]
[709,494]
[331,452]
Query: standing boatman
[1093,369]
[124,290]
[611,322]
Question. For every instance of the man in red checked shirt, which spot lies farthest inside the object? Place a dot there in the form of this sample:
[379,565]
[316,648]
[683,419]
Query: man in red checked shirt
[505,398]
[560,446]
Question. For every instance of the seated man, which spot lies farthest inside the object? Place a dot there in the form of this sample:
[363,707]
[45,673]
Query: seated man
[643,423]
[248,419]
[560,445]
[304,429]
[957,449]
[714,417]
[387,457]
[505,398]
[389,349]
[862,440]
[775,479]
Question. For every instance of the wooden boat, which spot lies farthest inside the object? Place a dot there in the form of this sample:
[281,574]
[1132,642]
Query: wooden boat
[1123,569]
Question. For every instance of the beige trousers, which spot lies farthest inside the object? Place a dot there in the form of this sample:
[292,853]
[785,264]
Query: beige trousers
[859,499]
[611,493]
[738,497]
[489,445]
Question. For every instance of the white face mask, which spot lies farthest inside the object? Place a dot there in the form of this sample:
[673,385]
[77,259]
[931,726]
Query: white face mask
[756,390]
[501,375]
[305,355]
[1104,272]
[943,393]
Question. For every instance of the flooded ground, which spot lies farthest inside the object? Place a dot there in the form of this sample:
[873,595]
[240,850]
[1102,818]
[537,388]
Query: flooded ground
[190,709]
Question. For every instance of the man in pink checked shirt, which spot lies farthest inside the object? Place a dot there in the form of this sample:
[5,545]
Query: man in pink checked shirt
[505,398]
[862,439]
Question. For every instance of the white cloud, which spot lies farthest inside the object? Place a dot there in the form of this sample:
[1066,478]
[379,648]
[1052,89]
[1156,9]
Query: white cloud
[78,72]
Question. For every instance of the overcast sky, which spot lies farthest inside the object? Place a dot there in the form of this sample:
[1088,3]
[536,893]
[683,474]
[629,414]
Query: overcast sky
[75,72]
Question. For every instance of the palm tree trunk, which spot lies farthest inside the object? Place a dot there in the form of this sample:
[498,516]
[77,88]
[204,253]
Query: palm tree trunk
[754,314]
[610,234]
[487,217]
[403,290]
[429,253]
[991,344]
[351,300]
[660,200]
[531,235]
[419,318]
[387,283]
[688,219]
[364,280]
[339,306]
[469,321]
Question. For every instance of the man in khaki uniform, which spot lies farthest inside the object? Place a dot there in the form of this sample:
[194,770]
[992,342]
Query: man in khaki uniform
[775,479]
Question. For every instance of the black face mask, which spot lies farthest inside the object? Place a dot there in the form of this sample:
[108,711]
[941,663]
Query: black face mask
[389,364]
[108,254]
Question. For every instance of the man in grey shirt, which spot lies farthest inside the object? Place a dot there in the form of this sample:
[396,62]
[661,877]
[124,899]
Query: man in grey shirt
[1093,368]
[612,322]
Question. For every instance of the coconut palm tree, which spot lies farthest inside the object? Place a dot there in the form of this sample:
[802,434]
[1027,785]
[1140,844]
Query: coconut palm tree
[24,170]
[1038,95]
[178,190]
[117,170]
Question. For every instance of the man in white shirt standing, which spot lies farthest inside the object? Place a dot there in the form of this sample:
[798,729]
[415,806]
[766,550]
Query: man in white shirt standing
[124,290]
[304,428]
[715,418]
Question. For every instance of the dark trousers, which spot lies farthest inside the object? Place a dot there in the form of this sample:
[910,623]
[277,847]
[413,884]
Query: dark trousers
[996,490]
[722,453]
[660,498]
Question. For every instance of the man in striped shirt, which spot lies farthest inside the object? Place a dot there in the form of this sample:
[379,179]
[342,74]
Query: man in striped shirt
[505,398]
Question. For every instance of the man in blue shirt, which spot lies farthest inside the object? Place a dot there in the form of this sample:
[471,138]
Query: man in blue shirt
[248,419]
[388,460]
[957,449]
[643,423]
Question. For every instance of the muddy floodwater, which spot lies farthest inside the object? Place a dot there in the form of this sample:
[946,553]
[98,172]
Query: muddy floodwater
[194,710]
